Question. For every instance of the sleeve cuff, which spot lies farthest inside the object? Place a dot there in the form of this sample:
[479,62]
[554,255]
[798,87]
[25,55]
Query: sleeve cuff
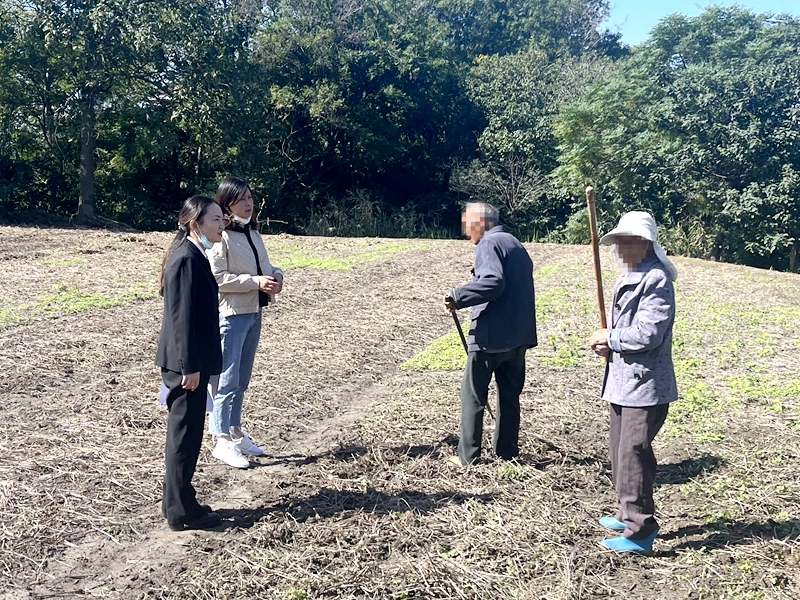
[613,340]
[453,295]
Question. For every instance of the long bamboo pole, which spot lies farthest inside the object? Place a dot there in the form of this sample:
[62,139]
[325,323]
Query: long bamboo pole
[598,276]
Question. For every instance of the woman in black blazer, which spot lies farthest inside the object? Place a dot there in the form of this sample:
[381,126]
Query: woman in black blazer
[189,352]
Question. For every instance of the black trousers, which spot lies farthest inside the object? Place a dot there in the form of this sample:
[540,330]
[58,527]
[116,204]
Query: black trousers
[633,465]
[187,413]
[508,369]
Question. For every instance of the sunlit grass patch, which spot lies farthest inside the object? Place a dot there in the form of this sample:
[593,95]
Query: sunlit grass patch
[69,300]
[444,353]
[15,315]
[765,389]
[565,350]
[512,471]
[551,302]
[697,414]
[294,593]
[722,316]
[546,272]
[727,494]
[297,257]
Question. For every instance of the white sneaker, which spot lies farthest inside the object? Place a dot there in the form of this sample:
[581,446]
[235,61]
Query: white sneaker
[228,452]
[246,445]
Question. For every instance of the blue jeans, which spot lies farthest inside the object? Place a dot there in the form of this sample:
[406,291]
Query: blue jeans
[239,335]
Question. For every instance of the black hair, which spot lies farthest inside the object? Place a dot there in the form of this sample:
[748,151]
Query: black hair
[230,191]
[193,209]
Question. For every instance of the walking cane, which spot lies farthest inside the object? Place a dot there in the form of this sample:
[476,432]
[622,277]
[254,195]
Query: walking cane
[460,331]
[464,343]
[598,277]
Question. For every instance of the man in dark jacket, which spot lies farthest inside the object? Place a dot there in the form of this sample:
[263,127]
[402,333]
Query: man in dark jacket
[502,328]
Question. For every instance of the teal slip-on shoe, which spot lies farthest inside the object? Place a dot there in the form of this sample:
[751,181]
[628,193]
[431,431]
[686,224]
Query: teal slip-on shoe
[611,523]
[623,544]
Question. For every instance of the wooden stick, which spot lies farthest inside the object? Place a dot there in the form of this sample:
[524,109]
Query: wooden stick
[466,351]
[460,331]
[598,276]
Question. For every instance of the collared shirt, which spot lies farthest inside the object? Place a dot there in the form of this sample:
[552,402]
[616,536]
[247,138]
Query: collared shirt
[198,244]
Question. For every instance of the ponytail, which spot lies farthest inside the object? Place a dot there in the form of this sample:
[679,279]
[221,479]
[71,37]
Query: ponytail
[193,209]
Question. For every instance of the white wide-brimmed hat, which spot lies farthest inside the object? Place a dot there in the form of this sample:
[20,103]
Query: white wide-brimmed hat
[640,224]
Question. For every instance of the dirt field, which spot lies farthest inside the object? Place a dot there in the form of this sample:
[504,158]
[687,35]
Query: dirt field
[355,498]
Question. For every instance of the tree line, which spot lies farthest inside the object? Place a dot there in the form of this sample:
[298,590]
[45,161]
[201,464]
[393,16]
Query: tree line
[380,117]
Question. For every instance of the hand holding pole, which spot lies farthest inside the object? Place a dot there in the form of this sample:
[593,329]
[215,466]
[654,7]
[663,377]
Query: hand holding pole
[464,343]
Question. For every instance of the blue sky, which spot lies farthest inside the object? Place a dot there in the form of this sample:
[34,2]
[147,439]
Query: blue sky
[635,18]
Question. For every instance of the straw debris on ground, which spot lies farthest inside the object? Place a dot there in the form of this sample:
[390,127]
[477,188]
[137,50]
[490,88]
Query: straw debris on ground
[355,497]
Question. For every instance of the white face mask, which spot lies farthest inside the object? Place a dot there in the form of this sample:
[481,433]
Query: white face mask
[240,220]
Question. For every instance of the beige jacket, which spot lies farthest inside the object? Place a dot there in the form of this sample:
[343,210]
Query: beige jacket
[234,266]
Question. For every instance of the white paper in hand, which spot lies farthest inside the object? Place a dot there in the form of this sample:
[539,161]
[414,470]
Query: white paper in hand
[213,383]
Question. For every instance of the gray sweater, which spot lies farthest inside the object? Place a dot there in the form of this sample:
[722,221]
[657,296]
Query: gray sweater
[500,294]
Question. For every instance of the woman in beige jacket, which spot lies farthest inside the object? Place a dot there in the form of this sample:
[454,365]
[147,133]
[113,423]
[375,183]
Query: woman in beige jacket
[247,282]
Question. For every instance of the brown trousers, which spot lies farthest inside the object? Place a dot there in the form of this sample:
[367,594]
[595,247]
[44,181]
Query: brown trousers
[633,465]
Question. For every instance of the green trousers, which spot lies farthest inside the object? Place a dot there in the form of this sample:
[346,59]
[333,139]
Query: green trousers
[508,369]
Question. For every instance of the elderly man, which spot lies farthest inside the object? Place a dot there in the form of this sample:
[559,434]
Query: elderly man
[502,328]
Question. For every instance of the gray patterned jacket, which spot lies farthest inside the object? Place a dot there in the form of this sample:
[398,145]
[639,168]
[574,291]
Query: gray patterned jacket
[640,372]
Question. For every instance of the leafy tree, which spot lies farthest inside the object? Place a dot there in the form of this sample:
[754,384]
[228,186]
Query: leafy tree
[80,67]
[366,94]
[553,27]
[521,94]
[700,127]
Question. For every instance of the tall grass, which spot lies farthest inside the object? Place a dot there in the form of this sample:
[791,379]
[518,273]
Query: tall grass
[362,214]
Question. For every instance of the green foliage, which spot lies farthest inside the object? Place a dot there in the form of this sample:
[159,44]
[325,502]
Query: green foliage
[362,214]
[765,390]
[512,471]
[566,351]
[482,27]
[575,231]
[15,315]
[380,117]
[520,95]
[319,104]
[699,127]
[295,257]
[68,300]
[697,413]
[443,353]
[294,593]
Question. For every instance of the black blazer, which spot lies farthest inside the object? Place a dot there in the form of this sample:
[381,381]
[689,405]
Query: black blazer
[189,340]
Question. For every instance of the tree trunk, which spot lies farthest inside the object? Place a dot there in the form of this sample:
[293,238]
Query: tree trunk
[87,193]
[793,258]
[86,214]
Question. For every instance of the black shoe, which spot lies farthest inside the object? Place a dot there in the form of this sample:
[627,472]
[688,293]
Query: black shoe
[207,521]
[204,507]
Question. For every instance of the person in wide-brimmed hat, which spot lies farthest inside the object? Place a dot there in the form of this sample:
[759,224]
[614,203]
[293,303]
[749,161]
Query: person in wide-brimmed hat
[639,380]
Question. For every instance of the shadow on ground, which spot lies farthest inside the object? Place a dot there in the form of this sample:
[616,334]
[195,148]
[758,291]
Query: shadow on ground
[686,470]
[327,503]
[347,453]
[721,534]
